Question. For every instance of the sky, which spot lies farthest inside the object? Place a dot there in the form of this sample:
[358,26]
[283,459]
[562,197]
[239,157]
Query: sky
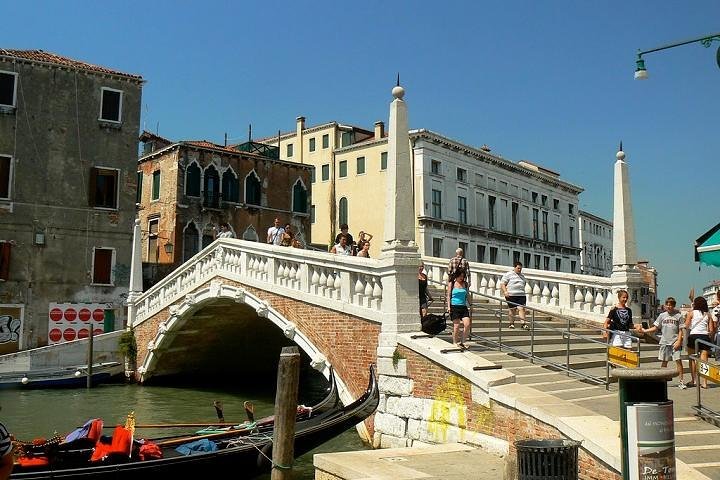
[549,81]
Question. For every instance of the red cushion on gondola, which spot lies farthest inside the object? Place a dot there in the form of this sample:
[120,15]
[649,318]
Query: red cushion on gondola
[121,444]
[34,461]
[95,430]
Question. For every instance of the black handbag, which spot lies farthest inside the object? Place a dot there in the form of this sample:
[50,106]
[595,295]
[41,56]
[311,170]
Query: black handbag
[433,324]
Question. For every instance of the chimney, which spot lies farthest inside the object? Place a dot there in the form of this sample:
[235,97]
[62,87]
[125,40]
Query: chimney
[299,127]
[379,130]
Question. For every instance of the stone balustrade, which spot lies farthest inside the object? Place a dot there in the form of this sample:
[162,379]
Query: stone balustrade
[350,284]
[580,296]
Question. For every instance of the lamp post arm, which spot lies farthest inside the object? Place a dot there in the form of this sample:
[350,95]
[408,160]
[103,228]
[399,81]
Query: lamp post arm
[706,41]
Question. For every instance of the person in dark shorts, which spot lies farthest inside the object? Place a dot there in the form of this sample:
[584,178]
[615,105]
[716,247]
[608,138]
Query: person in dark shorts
[512,285]
[458,299]
[700,325]
[425,297]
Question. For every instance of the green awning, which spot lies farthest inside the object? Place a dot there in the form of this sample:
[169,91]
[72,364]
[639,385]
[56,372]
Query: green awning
[707,247]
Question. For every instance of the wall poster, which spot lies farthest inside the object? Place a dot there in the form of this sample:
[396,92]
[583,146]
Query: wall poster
[72,321]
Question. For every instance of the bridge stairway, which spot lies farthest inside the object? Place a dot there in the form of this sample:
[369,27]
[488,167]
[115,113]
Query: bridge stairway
[549,342]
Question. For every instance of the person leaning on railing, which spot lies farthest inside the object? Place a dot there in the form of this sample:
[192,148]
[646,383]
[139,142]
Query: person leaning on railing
[619,320]
[700,325]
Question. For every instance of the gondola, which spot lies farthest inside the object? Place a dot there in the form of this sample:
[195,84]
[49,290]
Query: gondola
[245,451]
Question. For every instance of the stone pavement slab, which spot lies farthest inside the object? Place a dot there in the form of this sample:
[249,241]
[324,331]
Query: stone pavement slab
[452,461]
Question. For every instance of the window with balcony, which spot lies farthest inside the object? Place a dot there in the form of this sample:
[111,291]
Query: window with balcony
[230,186]
[492,214]
[462,209]
[192,180]
[211,191]
[253,191]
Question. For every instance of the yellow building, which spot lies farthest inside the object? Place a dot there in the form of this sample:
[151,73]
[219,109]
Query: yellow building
[320,146]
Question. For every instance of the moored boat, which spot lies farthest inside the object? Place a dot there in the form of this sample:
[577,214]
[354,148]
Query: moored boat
[62,377]
[245,449]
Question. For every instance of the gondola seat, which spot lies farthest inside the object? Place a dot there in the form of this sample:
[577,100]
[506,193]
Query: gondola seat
[118,450]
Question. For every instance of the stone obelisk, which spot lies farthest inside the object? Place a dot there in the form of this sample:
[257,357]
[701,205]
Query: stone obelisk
[624,245]
[399,254]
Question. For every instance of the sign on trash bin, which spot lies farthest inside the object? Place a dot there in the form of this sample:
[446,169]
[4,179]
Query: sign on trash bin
[651,441]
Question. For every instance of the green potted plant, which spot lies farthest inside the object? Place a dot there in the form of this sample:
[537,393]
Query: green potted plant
[127,346]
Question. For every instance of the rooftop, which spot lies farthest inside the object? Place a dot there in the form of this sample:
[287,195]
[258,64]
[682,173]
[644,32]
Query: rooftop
[55,59]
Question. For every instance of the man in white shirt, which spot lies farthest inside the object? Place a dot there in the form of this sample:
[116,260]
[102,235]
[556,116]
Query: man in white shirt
[512,286]
[275,233]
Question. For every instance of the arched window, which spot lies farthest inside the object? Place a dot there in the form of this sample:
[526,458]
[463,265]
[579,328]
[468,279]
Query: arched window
[191,239]
[343,211]
[252,189]
[212,188]
[299,199]
[192,180]
[230,186]
[250,234]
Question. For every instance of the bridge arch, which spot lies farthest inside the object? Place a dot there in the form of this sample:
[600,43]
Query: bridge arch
[181,312]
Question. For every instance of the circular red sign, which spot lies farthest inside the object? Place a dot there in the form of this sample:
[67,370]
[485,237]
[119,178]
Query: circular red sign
[56,315]
[70,314]
[98,315]
[98,331]
[55,335]
[84,314]
[83,333]
[69,334]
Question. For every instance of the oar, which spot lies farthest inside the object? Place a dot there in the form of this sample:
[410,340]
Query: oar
[181,425]
[177,441]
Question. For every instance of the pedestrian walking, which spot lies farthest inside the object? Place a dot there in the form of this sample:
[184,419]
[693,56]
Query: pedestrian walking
[458,299]
[512,286]
[425,297]
[700,325]
[224,231]
[275,233]
[671,325]
[458,263]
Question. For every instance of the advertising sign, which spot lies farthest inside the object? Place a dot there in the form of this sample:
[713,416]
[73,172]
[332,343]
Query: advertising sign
[651,441]
[72,321]
[623,357]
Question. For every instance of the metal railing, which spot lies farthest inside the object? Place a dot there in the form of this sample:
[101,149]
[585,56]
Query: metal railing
[710,372]
[497,306]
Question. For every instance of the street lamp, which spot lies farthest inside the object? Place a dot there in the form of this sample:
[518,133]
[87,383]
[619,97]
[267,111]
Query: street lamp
[640,70]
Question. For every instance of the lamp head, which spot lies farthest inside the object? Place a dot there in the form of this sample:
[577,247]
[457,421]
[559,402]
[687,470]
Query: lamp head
[640,70]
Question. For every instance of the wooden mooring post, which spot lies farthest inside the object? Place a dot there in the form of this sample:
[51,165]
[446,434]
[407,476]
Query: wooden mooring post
[286,398]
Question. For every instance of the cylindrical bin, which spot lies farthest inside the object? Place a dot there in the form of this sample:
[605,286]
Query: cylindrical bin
[555,459]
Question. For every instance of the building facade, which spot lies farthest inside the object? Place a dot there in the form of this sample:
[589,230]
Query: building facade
[188,188]
[498,211]
[68,152]
[596,239]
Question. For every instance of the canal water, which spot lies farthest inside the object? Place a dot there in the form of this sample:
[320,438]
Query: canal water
[30,414]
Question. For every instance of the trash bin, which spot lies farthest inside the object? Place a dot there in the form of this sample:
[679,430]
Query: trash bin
[555,459]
